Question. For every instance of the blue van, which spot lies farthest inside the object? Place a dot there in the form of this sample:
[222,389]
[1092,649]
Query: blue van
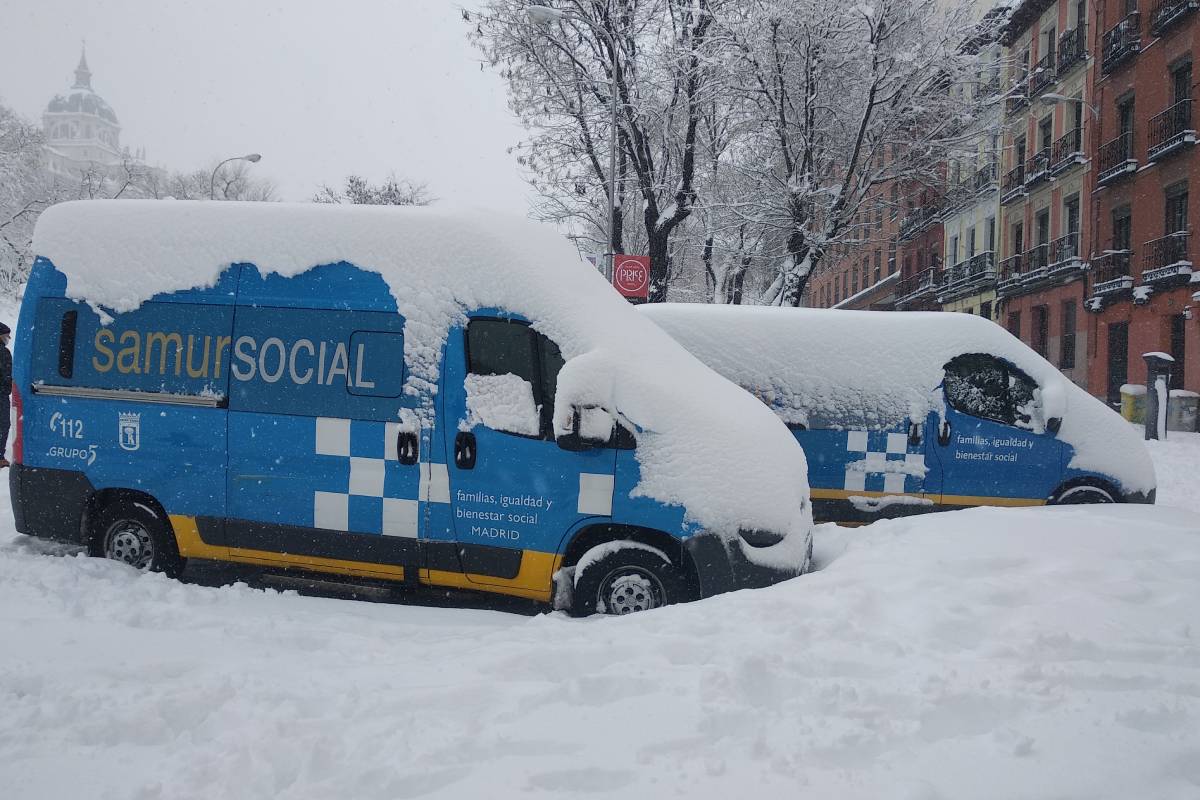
[904,413]
[312,419]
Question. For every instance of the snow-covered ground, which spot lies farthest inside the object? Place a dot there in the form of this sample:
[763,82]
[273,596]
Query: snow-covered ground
[986,654]
[1031,653]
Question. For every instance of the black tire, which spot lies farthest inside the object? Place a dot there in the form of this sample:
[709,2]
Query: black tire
[131,531]
[625,580]
[1083,494]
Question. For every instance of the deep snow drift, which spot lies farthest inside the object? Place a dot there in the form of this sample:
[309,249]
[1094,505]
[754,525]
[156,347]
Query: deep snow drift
[985,654]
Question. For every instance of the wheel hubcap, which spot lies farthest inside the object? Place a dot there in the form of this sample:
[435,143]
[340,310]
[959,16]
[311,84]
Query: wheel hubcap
[131,543]
[632,590]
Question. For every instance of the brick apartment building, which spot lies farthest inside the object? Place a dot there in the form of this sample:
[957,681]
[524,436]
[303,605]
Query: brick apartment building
[1044,193]
[1141,290]
[1072,225]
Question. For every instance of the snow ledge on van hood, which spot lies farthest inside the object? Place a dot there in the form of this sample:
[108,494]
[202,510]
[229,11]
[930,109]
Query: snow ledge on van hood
[703,444]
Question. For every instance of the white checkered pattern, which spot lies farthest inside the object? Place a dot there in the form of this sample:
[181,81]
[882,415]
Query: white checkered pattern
[331,510]
[877,463]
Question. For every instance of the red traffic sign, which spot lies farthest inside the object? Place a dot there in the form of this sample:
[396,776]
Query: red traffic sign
[631,276]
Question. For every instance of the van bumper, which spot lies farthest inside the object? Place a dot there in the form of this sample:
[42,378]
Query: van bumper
[1140,497]
[49,502]
[722,566]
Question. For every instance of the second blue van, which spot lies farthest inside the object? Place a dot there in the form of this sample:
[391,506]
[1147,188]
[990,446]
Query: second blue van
[905,413]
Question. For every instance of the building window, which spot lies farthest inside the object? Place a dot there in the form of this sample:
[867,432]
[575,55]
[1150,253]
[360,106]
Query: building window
[1041,330]
[1014,323]
[970,243]
[985,310]
[1176,208]
[1046,133]
[1177,351]
[952,250]
[1066,358]
[878,265]
[1181,82]
[989,233]
[1122,224]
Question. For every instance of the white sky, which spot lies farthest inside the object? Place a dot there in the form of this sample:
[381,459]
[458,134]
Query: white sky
[321,89]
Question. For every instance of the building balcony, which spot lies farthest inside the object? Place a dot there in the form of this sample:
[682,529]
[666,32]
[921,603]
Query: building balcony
[1167,261]
[1042,76]
[1168,12]
[1171,131]
[1013,185]
[984,178]
[1018,98]
[1111,278]
[975,274]
[1072,49]
[1121,43]
[915,288]
[1064,254]
[1009,274]
[1037,263]
[918,219]
[1037,168]
[1067,152]
[1115,159]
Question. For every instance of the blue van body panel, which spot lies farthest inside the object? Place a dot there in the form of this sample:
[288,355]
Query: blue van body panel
[340,286]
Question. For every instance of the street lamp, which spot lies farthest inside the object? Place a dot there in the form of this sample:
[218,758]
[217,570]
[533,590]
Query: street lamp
[253,158]
[1053,98]
[542,16]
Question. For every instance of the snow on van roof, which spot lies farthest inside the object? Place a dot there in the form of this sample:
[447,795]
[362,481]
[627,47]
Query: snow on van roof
[705,444]
[880,368]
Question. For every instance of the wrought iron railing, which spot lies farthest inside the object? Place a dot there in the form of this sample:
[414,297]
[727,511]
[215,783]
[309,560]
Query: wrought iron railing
[1011,268]
[1042,75]
[1121,41]
[1013,179]
[1037,166]
[1072,49]
[1064,249]
[1065,148]
[1114,155]
[1110,271]
[1167,13]
[984,177]
[1168,129]
[1037,258]
[1168,251]
[918,283]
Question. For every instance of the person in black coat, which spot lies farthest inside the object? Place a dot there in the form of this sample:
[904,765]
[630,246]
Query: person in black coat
[5,391]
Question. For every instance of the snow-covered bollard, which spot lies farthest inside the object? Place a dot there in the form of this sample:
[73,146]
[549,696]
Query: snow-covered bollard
[1158,381]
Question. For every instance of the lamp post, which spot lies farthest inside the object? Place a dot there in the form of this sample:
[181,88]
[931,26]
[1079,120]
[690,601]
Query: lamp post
[1053,98]
[542,16]
[253,158]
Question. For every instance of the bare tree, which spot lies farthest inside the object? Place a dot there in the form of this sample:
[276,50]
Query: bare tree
[393,191]
[654,54]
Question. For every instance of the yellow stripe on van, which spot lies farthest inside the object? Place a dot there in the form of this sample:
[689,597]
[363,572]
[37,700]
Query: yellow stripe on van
[945,499]
[532,582]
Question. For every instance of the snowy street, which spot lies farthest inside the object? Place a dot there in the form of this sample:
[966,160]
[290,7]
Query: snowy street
[982,653]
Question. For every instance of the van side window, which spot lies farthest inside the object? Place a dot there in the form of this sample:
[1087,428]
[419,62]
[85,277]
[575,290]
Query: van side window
[506,347]
[987,387]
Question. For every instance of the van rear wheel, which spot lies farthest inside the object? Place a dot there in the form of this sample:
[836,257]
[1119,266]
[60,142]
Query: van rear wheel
[133,533]
[621,578]
[1085,494]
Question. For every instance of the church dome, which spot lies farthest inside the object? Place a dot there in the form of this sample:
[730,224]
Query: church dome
[81,99]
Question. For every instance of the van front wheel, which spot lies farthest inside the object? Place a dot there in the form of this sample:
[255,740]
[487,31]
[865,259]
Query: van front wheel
[620,578]
[131,532]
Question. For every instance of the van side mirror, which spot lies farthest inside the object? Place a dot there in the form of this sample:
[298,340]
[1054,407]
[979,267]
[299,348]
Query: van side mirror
[1053,424]
[591,426]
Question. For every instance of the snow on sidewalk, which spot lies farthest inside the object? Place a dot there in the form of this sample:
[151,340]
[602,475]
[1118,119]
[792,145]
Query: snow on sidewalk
[983,654]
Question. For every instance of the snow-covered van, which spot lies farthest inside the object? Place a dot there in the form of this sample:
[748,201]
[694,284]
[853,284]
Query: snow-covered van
[902,413]
[412,395]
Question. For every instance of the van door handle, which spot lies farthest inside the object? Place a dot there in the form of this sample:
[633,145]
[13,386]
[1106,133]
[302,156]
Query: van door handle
[408,448]
[464,450]
[944,434]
